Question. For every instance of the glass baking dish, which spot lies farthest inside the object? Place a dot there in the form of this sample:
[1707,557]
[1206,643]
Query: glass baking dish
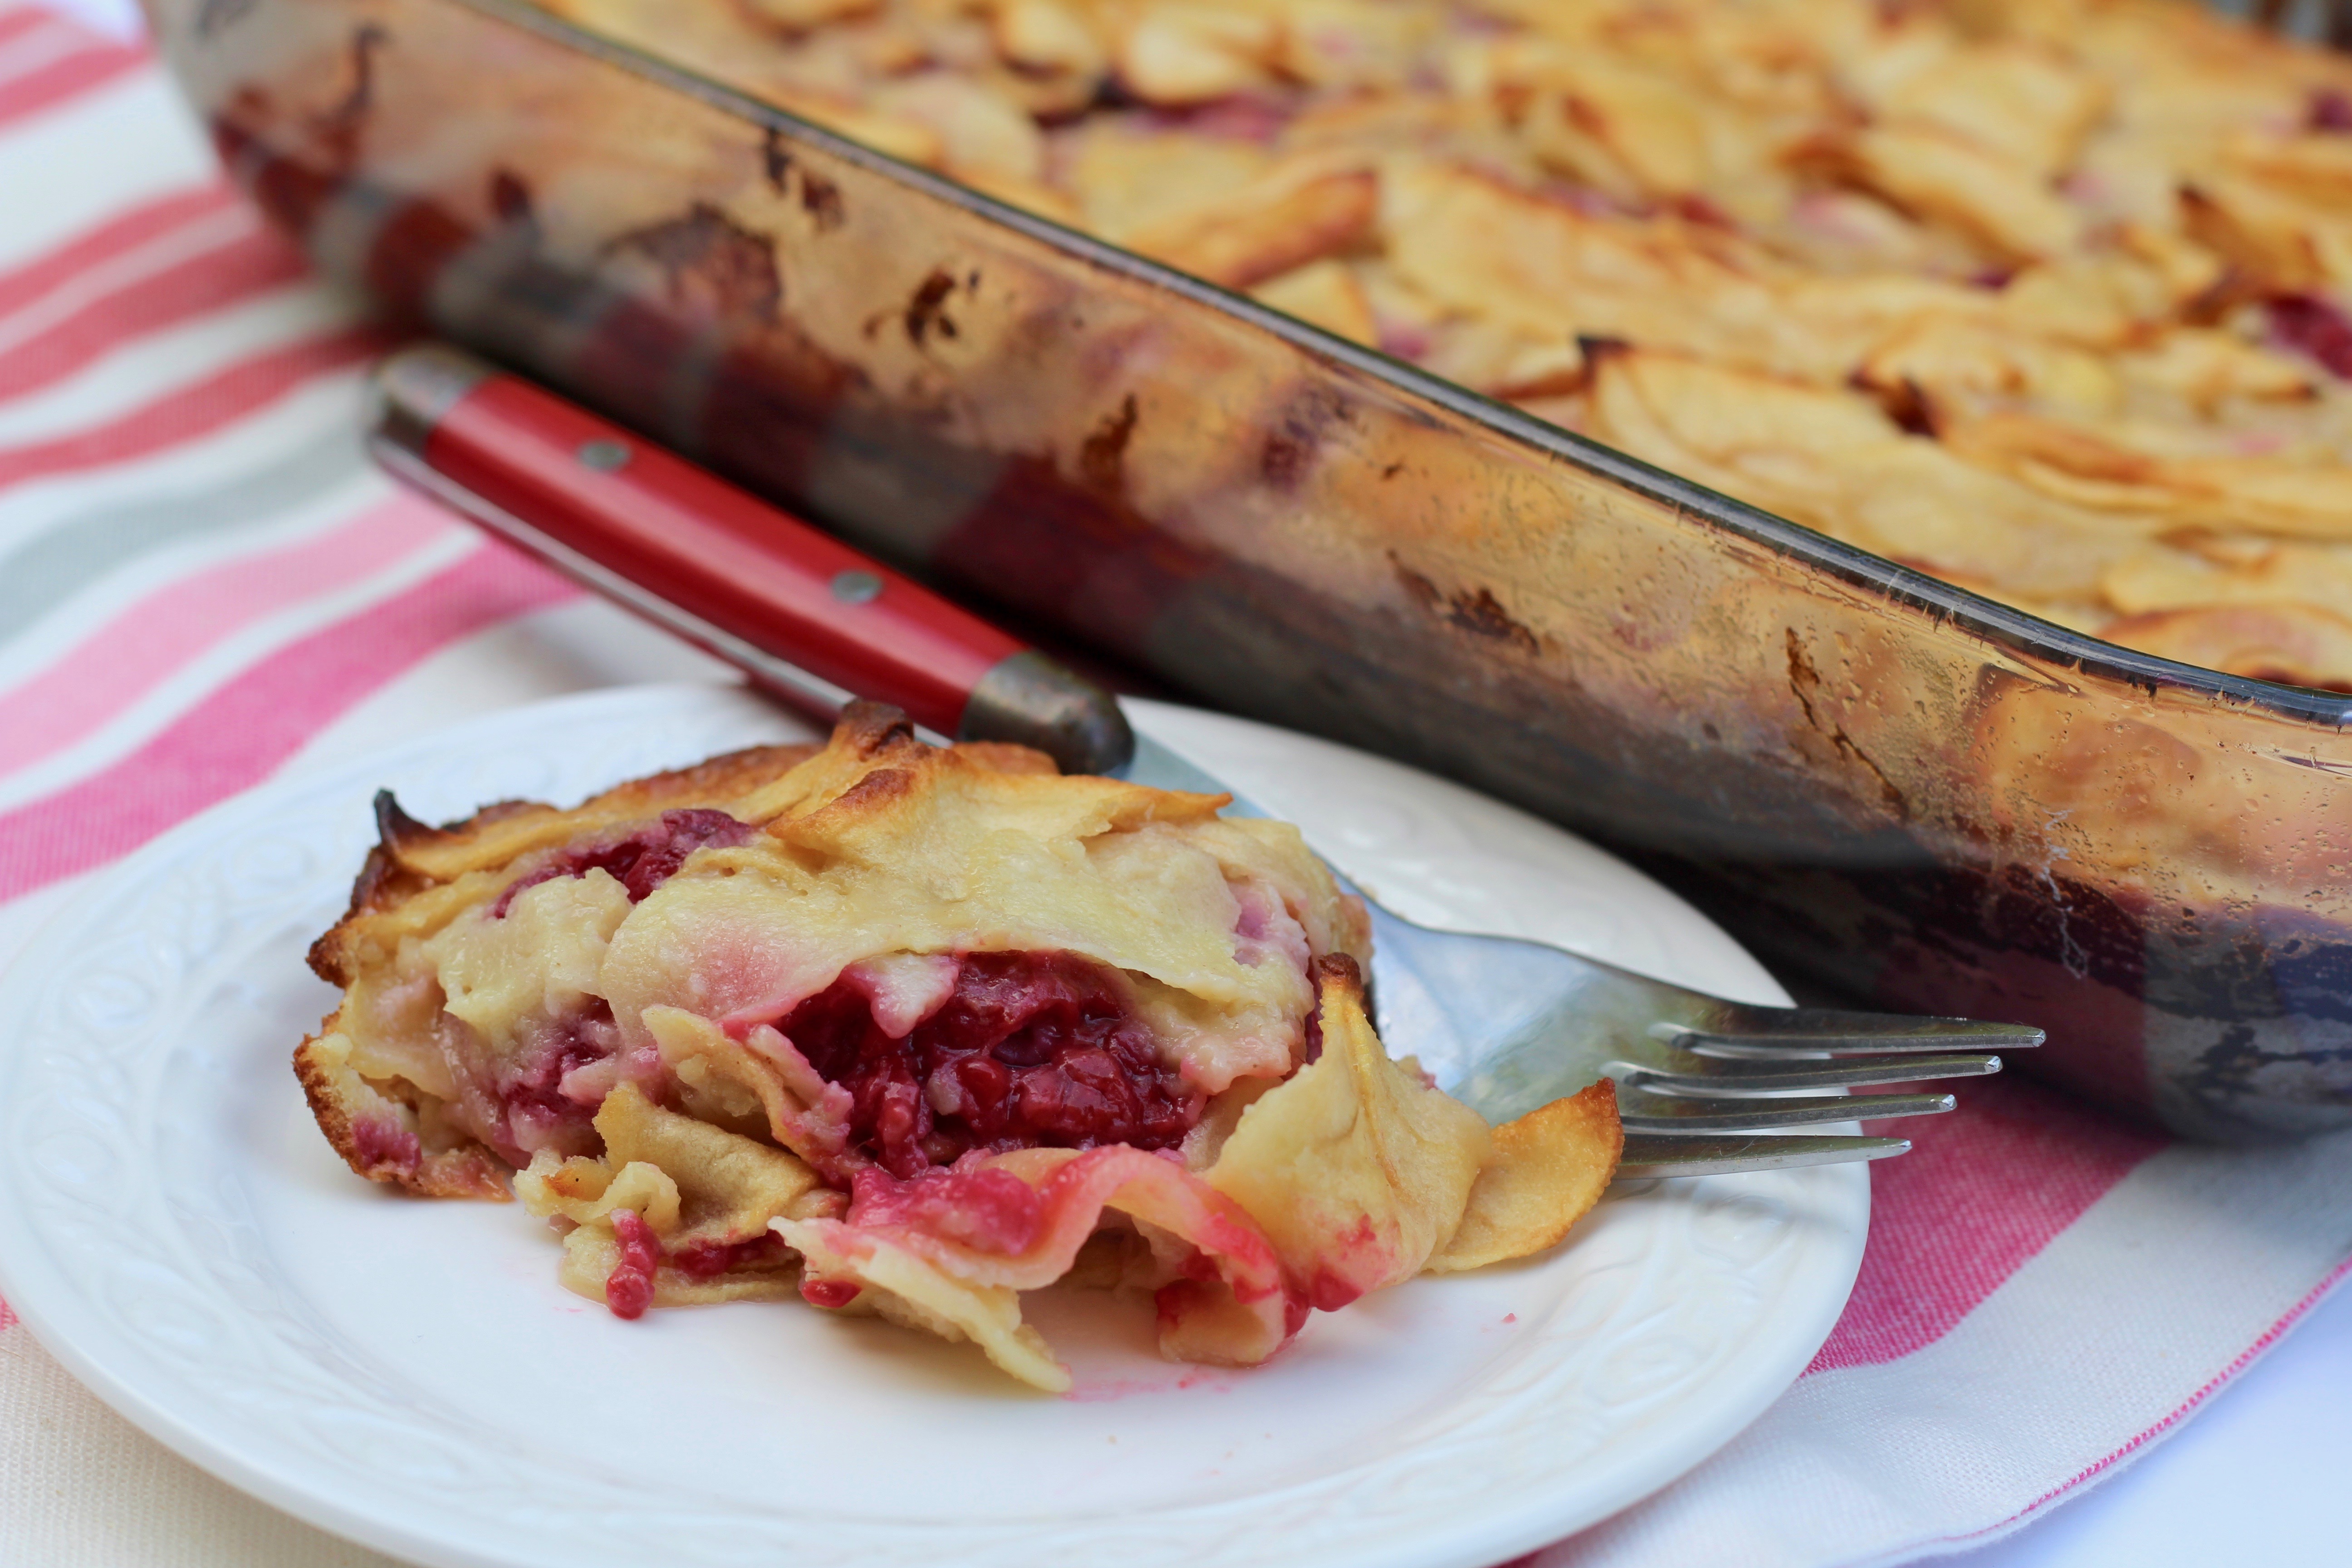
[1910,793]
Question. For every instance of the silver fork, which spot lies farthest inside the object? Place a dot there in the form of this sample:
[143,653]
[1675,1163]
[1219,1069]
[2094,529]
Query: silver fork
[1704,1084]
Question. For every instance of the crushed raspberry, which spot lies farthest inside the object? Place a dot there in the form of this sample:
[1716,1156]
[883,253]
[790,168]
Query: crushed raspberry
[1328,1291]
[710,1259]
[1353,1256]
[1031,1049]
[642,861]
[1243,117]
[830,1294]
[2317,328]
[1699,210]
[987,1210]
[531,1085]
[2329,110]
[629,1288]
[381,1142]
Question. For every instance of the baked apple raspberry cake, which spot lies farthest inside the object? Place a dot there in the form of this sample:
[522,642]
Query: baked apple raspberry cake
[910,1030]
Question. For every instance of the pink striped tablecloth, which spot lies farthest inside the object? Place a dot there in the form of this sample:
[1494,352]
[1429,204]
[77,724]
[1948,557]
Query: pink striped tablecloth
[203,585]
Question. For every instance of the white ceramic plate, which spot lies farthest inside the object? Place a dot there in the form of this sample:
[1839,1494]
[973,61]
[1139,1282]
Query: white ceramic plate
[409,1374]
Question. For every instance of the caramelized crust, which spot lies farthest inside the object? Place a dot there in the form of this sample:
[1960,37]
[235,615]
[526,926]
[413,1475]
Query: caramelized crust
[343,1104]
[401,866]
[410,856]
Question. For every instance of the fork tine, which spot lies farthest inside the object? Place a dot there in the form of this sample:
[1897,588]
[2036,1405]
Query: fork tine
[1508,1024]
[1642,1109]
[1773,1031]
[1689,1073]
[1648,1157]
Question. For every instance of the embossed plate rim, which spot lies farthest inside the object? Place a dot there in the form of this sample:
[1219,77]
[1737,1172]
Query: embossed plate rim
[1427,1489]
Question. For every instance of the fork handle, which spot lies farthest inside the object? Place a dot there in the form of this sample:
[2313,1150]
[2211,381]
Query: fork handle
[805,615]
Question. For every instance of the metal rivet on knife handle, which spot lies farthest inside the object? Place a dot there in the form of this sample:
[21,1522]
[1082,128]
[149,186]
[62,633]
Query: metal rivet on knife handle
[605,457]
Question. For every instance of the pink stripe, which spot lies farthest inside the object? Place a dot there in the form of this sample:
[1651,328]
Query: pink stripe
[48,40]
[1983,1190]
[66,34]
[32,279]
[136,650]
[2213,1385]
[243,269]
[236,736]
[193,411]
[82,72]
[8,1318]
[248,265]
[21,19]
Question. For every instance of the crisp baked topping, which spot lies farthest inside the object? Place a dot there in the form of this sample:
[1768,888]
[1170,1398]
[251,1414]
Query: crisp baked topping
[2043,297]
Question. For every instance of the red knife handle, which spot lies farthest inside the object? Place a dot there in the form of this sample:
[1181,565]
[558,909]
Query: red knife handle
[805,614]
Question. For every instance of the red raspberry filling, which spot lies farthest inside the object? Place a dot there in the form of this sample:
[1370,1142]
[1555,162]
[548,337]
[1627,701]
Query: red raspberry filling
[710,1259]
[642,861]
[530,1086]
[1032,1049]
[2317,328]
[830,1294]
[382,1143]
[629,1288]
[985,1209]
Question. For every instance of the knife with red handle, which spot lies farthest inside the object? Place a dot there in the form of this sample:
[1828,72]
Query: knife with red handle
[805,616]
